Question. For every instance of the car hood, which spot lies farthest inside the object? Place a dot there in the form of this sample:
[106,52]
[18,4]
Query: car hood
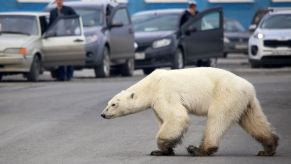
[14,41]
[237,34]
[149,37]
[280,34]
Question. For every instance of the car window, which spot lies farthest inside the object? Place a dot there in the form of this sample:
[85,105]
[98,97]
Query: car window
[121,16]
[233,26]
[280,21]
[90,17]
[155,22]
[18,24]
[209,21]
[66,27]
[43,23]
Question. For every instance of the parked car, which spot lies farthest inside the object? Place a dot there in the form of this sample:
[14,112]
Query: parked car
[270,44]
[109,36]
[27,47]
[235,37]
[161,44]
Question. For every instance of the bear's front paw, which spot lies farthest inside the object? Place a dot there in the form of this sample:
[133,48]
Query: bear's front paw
[264,153]
[162,153]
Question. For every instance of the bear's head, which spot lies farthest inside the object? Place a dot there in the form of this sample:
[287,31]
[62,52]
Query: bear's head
[124,103]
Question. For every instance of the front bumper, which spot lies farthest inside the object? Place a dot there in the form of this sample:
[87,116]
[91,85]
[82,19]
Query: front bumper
[272,61]
[156,58]
[14,64]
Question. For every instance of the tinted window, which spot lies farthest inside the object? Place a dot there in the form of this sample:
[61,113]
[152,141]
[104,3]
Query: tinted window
[277,22]
[155,22]
[121,16]
[90,17]
[209,21]
[66,27]
[18,24]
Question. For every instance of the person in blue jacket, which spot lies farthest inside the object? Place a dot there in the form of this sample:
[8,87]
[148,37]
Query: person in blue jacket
[63,73]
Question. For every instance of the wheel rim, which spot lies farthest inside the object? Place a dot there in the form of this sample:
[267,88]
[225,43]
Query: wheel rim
[180,62]
[106,63]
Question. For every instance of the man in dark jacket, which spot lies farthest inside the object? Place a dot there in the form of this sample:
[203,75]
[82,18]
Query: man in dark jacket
[190,12]
[63,72]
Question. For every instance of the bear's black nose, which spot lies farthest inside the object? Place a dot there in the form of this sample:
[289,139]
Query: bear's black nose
[103,115]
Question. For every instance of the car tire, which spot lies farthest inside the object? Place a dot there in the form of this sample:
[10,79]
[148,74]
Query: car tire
[53,73]
[127,68]
[103,70]
[148,71]
[35,69]
[178,62]
[225,55]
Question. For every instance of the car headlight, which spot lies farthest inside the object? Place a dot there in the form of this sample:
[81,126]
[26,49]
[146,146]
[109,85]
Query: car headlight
[135,45]
[226,40]
[21,51]
[259,36]
[91,38]
[161,43]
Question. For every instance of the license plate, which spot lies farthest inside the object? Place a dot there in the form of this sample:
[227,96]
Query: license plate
[241,46]
[139,56]
[281,52]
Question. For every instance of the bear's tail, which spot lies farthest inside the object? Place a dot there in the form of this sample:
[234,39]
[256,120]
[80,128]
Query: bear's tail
[256,124]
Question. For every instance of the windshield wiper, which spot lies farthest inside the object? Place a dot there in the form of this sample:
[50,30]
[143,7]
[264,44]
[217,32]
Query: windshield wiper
[14,32]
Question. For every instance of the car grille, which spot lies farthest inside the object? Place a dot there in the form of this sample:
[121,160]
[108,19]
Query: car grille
[242,40]
[277,43]
[143,46]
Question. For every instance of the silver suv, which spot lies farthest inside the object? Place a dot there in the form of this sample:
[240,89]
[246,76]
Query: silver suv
[28,47]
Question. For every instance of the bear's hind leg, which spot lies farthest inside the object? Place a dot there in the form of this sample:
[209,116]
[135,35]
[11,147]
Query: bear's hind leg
[255,123]
[216,126]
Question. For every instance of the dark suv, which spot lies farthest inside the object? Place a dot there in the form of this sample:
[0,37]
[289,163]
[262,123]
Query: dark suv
[109,37]
[162,44]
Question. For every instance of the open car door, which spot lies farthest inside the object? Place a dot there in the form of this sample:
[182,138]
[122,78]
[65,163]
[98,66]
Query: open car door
[64,42]
[203,35]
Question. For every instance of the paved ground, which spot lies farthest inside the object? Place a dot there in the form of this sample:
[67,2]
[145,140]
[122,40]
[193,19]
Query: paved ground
[58,122]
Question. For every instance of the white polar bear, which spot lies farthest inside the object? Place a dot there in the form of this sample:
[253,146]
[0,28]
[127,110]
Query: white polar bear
[222,96]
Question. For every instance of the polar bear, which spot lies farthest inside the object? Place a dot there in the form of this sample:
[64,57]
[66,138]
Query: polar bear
[222,96]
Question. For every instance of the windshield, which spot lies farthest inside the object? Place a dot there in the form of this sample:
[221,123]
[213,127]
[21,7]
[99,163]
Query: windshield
[233,26]
[155,22]
[18,25]
[282,21]
[90,17]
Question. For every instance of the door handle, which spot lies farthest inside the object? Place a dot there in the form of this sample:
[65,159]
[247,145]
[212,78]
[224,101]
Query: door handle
[78,40]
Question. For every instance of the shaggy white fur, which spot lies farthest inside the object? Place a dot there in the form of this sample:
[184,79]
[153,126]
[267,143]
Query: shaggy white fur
[222,96]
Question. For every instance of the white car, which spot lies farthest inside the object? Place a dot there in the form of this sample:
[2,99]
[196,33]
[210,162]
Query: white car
[28,46]
[270,44]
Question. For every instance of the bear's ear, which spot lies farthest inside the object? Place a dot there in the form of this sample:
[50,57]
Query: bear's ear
[132,95]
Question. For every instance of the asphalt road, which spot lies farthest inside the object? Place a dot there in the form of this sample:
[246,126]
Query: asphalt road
[59,122]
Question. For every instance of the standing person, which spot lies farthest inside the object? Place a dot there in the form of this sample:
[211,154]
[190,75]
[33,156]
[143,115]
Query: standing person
[63,72]
[190,12]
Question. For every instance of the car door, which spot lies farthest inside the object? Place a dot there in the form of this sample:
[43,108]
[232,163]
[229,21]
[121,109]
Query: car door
[203,35]
[64,42]
[121,34]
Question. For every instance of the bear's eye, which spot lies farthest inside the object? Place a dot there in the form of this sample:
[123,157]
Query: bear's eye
[113,104]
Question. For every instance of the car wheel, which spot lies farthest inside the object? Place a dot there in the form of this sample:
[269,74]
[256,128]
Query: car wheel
[103,70]
[35,69]
[53,73]
[225,54]
[127,68]
[147,71]
[178,62]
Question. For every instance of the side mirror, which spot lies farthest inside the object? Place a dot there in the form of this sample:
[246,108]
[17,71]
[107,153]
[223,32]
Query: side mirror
[190,30]
[49,34]
[252,28]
